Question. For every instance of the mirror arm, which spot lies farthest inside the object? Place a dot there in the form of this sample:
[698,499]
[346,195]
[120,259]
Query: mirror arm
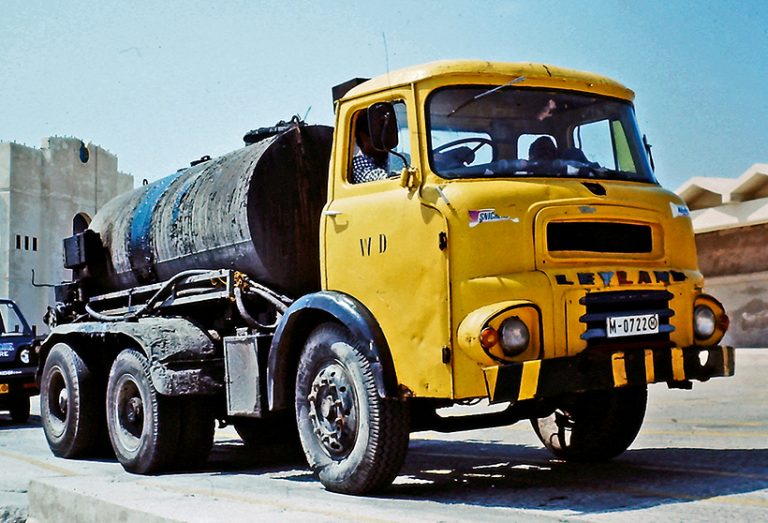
[648,150]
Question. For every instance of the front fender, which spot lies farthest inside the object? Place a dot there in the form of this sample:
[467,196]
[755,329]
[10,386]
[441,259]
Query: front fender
[301,318]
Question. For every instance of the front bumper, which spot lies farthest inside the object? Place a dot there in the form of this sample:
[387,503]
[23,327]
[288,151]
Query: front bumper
[605,370]
[18,380]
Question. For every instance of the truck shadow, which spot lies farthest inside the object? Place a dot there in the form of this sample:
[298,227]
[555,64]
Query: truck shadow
[521,477]
[525,477]
[6,423]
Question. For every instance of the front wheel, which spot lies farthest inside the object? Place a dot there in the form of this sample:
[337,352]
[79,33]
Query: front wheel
[143,425]
[354,441]
[593,426]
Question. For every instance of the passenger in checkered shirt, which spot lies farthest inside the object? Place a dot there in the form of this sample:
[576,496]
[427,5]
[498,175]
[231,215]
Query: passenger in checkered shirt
[369,164]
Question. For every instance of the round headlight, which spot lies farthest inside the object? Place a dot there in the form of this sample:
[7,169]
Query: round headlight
[704,322]
[24,356]
[514,336]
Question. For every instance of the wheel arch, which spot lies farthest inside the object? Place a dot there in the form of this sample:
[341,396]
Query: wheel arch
[87,347]
[166,342]
[305,315]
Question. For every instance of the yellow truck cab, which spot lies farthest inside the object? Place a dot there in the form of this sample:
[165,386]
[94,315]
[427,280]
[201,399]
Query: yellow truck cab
[518,247]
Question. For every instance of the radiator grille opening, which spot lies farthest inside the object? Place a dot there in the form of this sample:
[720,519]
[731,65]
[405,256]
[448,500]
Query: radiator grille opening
[603,237]
[601,305]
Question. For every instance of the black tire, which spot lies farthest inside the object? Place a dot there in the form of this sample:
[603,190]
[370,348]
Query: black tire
[197,428]
[354,441]
[71,404]
[593,426]
[19,409]
[143,425]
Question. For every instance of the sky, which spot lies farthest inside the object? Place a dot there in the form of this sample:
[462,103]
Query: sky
[162,83]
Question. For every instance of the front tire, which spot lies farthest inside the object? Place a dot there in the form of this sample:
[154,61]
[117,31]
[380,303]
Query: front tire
[354,441]
[70,404]
[143,425]
[593,426]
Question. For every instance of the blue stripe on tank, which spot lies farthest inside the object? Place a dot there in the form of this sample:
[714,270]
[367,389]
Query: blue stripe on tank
[179,195]
[139,242]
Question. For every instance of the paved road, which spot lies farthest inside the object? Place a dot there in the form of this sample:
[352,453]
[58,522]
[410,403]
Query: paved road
[702,456]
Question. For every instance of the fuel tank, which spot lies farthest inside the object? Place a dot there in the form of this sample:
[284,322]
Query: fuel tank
[255,210]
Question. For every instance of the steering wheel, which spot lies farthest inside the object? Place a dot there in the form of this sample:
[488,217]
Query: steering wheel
[479,140]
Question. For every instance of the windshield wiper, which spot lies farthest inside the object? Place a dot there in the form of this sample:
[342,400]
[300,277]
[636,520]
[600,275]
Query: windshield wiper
[485,93]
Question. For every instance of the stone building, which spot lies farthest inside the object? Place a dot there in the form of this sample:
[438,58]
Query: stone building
[44,194]
[730,219]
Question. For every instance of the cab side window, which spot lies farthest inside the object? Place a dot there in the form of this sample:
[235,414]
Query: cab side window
[369,164]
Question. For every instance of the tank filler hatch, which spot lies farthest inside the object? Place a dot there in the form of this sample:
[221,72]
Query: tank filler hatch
[262,133]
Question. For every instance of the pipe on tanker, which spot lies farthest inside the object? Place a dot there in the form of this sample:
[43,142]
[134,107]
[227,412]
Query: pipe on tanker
[255,210]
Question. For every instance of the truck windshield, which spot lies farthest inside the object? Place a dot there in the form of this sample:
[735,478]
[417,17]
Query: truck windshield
[488,131]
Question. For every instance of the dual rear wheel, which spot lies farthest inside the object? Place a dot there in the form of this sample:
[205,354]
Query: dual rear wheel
[148,432]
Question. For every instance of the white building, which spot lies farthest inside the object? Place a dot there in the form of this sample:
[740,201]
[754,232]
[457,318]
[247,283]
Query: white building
[43,193]
[730,219]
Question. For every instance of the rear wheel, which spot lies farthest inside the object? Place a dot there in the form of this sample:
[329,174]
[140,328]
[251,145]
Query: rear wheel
[70,404]
[20,409]
[355,441]
[143,425]
[593,426]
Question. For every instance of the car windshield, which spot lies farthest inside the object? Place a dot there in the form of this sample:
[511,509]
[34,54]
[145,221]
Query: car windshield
[509,131]
[10,322]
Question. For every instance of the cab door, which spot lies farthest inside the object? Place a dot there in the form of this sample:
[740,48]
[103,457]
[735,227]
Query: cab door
[385,247]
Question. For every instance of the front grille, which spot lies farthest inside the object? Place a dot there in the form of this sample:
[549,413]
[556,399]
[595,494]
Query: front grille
[601,305]
[605,237]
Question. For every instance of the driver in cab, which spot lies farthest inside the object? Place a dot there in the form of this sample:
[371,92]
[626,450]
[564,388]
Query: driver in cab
[368,164]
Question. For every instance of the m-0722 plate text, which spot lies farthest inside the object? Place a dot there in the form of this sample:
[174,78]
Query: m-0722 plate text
[639,325]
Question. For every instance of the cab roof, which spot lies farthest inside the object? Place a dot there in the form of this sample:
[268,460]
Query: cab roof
[534,75]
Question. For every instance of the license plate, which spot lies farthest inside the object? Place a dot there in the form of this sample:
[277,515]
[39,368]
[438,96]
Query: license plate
[620,326]
[4,389]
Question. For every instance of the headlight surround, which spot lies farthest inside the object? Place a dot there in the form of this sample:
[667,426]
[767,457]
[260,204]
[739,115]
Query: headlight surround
[704,322]
[480,332]
[710,322]
[514,336]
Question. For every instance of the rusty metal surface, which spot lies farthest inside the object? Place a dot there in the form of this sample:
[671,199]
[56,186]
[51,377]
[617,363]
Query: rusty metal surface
[255,210]
[171,344]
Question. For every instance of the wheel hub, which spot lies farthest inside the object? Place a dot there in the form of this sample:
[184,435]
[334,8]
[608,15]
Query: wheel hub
[332,410]
[134,411]
[129,413]
[63,401]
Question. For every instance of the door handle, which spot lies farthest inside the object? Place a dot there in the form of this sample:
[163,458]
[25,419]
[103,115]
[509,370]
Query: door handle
[332,213]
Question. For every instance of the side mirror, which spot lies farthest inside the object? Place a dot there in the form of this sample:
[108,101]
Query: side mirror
[382,124]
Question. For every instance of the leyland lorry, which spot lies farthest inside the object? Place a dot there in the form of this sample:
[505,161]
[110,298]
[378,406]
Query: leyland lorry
[511,245]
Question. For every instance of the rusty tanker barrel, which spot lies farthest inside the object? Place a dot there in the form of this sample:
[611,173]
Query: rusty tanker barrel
[256,210]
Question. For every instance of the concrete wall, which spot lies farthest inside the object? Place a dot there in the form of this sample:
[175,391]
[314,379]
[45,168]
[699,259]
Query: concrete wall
[734,262]
[745,297]
[41,190]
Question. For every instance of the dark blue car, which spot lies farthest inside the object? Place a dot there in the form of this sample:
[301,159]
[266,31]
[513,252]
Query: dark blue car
[18,362]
